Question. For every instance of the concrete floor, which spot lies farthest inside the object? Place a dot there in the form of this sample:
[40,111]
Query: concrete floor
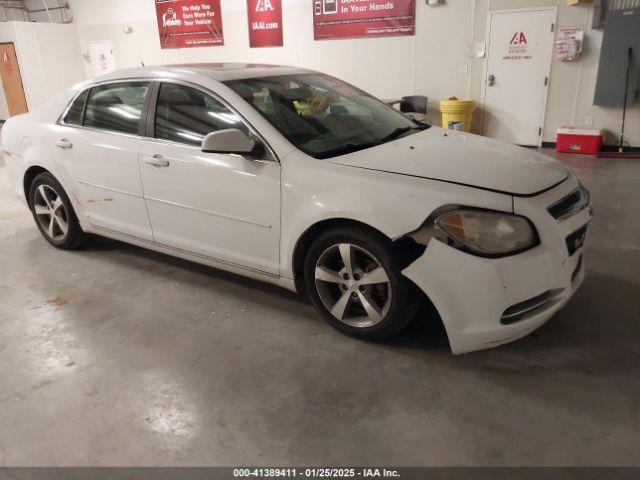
[114,355]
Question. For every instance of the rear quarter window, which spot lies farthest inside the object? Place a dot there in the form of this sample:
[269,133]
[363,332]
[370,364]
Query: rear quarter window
[74,114]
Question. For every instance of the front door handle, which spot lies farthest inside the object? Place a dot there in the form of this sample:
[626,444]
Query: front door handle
[64,144]
[157,161]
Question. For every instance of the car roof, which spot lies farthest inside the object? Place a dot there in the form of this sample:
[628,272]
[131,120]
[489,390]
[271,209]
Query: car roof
[216,71]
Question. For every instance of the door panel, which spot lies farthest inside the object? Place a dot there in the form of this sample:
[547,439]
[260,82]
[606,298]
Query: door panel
[223,206]
[11,80]
[519,58]
[219,205]
[97,150]
[103,168]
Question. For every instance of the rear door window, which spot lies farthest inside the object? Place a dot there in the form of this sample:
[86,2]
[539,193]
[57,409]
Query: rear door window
[116,107]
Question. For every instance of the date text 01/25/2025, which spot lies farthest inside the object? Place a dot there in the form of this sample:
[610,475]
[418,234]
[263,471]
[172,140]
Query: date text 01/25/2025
[315,473]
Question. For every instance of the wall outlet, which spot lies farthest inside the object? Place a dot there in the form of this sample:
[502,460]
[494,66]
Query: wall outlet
[590,120]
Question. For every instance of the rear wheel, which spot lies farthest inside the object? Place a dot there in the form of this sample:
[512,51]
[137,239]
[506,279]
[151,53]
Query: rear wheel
[355,283]
[53,213]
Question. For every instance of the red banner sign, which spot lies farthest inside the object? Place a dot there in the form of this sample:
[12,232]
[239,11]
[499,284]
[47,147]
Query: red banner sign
[189,23]
[265,23]
[363,18]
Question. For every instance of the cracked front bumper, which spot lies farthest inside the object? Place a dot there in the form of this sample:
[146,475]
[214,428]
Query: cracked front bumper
[472,294]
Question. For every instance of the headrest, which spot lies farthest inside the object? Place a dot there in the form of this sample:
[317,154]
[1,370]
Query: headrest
[107,100]
[181,96]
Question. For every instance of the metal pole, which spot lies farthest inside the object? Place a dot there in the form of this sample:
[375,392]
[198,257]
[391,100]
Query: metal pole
[626,96]
[39,10]
[25,13]
[44,4]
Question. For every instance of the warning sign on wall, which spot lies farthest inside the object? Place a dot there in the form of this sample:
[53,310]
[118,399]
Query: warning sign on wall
[569,43]
[101,58]
[189,23]
[362,18]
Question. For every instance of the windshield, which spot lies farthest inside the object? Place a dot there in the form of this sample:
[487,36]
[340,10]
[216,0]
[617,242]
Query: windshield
[322,116]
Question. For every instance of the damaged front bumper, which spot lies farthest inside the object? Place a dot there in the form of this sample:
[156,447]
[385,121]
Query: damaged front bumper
[486,302]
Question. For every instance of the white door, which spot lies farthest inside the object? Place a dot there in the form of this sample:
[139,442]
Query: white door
[226,207]
[517,74]
[97,151]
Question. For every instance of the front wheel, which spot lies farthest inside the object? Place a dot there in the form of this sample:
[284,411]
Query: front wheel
[355,283]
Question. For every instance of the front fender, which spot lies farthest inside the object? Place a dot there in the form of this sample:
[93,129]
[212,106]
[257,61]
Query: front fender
[315,190]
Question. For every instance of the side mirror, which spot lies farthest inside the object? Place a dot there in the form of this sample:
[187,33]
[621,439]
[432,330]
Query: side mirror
[229,141]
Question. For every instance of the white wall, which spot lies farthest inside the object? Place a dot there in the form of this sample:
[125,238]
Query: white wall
[50,59]
[388,67]
[429,63]
[49,56]
[573,87]
[14,14]
[100,12]
[7,35]
[572,84]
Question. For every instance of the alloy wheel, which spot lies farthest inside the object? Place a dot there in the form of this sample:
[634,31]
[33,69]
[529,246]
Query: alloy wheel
[51,213]
[353,285]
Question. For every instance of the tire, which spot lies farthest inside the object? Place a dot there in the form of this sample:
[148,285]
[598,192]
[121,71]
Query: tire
[54,214]
[392,299]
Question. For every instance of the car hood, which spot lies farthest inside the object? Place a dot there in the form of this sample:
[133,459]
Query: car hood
[464,159]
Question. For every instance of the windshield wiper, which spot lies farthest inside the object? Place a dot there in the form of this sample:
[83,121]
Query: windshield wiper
[354,147]
[399,132]
[348,148]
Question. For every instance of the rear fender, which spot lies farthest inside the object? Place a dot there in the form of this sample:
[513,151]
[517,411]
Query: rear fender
[37,151]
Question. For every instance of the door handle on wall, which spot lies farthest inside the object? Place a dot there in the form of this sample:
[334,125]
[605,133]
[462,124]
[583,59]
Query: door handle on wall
[156,161]
[64,144]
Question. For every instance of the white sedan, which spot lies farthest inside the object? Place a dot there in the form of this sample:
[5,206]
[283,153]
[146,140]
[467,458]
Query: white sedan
[299,179]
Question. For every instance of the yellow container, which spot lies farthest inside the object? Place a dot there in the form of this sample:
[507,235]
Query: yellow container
[457,114]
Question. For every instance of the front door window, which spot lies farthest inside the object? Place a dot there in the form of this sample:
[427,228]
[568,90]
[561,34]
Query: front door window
[187,115]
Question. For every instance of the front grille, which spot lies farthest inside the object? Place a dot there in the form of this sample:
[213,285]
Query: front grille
[575,241]
[573,203]
[521,310]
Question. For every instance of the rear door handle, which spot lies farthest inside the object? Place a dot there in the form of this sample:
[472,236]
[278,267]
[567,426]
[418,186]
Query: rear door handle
[64,144]
[157,161]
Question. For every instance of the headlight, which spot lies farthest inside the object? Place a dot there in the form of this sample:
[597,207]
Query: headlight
[486,233]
